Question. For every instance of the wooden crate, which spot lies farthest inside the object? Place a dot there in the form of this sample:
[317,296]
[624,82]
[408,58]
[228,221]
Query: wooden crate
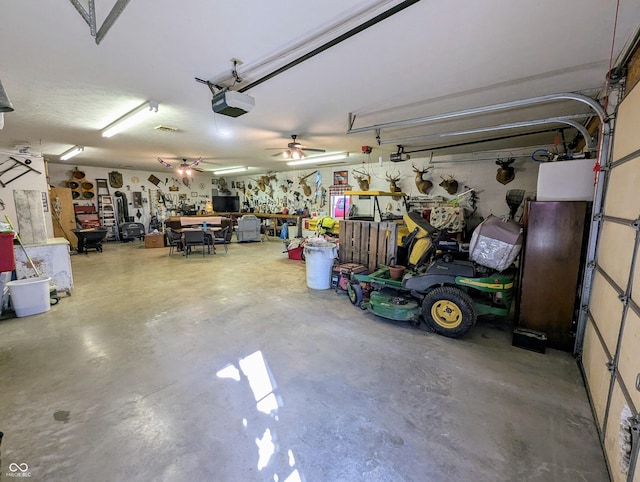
[154,241]
[368,242]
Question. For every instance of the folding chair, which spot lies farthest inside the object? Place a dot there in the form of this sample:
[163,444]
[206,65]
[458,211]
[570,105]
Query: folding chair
[222,236]
[174,239]
[193,238]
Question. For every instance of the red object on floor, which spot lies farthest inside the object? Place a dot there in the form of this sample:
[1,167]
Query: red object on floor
[295,253]
[7,261]
[344,273]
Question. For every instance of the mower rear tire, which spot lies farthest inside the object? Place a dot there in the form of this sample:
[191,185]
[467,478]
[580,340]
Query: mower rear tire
[354,290]
[449,311]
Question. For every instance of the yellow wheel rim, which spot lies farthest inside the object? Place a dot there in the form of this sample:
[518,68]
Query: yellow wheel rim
[446,314]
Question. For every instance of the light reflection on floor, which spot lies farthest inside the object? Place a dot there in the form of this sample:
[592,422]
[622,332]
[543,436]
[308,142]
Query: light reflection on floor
[256,372]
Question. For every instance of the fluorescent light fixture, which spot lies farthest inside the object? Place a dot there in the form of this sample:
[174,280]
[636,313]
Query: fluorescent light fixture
[131,118]
[229,171]
[74,151]
[313,160]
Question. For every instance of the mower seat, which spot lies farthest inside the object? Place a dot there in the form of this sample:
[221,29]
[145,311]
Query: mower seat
[421,242]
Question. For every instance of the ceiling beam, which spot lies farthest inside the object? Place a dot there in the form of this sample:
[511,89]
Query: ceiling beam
[90,17]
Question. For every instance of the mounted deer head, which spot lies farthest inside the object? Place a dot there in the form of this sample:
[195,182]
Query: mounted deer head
[260,182]
[393,182]
[423,185]
[303,183]
[505,173]
[393,185]
[449,184]
[362,178]
[270,176]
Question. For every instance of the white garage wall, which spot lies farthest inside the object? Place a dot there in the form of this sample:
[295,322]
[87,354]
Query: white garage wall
[200,186]
[30,181]
[477,174]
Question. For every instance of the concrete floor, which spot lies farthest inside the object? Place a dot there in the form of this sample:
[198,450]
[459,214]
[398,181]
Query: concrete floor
[171,369]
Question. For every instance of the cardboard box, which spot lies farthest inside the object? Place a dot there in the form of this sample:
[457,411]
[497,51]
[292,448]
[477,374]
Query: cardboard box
[154,241]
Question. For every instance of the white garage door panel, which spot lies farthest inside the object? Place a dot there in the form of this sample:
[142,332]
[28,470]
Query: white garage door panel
[617,428]
[594,362]
[606,310]
[616,258]
[629,361]
[622,200]
[627,139]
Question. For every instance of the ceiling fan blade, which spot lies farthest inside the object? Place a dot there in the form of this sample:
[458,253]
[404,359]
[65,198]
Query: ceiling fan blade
[313,150]
[164,163]
[279,154]
[273,149]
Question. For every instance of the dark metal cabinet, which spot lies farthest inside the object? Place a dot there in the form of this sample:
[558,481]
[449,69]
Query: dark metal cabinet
[551,268]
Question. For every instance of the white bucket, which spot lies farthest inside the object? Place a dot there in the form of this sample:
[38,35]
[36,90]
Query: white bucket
[30,296]
[319,261]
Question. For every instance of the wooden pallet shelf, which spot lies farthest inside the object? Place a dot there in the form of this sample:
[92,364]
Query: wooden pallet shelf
[368,242]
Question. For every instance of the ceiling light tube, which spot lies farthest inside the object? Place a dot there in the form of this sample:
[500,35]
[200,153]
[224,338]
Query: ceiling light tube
[229,171]
[74,151]
[131,118]
[313,160]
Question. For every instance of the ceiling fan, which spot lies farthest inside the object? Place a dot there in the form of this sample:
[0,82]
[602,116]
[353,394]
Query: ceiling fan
[185,168]
[294,150]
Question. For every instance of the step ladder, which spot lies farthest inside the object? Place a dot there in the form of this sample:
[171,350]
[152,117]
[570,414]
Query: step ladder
[106,209]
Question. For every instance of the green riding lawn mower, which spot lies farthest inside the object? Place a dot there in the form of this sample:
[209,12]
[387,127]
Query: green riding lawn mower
[448,294]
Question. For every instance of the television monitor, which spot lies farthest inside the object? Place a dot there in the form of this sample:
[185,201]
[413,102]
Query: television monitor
[226,204]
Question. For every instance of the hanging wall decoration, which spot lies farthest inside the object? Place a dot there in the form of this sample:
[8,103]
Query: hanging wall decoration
[505,173]
[340,178]
[115,179]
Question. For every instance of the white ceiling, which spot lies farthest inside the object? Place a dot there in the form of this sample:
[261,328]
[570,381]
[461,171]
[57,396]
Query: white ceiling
[430,58]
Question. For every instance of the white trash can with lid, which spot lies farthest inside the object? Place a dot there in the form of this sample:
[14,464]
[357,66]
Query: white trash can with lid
[319,256]
[30,296]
